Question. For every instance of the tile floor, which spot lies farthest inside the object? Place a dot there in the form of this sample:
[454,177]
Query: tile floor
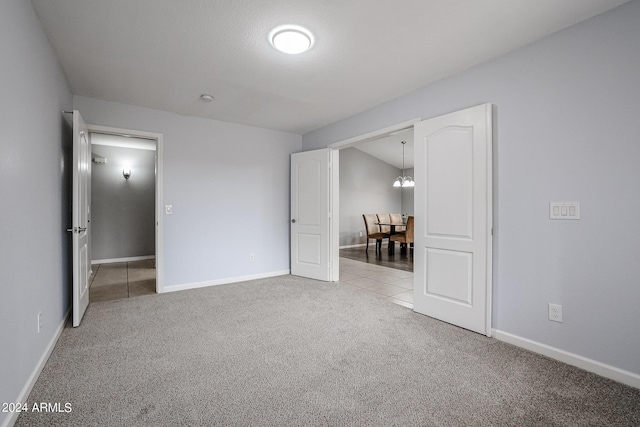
[131,279]
[122,280]
[398,260]
[382,282]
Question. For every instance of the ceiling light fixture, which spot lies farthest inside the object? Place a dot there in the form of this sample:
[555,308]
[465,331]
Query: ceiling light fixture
[403,181]
[206,97]
[291,39]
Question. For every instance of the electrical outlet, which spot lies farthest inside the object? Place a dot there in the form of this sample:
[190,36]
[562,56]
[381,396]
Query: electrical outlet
[252,257]
[39,322]
[555,312]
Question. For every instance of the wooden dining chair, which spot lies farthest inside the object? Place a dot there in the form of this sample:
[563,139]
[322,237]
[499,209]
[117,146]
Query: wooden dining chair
[373,231]
[405,237]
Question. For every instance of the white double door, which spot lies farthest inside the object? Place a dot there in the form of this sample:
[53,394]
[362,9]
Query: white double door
[453,217]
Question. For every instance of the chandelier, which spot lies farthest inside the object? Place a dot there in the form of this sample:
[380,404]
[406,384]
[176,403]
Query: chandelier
[403,181]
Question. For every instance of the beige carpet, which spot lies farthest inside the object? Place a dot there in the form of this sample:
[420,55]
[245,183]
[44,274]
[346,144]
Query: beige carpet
[288,351]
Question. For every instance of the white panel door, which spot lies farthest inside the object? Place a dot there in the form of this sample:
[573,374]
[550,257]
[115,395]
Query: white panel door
[453,218]
[311,207]
[81,201]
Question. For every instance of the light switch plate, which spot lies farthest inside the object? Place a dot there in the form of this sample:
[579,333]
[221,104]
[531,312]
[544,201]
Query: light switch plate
[564,210]
[168,209]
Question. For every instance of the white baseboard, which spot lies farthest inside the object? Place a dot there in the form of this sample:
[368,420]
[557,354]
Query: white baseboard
[31,381]
[126,259]
[225,281]
[602,369]
[359,245]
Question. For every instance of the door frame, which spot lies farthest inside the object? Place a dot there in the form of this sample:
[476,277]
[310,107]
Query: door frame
[399,127]
[376,134]
[350,142]
[157,137]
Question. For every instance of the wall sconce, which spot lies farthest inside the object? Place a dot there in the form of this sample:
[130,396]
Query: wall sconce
[126,173]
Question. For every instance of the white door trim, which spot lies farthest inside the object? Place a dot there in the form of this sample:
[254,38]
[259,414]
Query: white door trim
[350,142]
[334,206]
[337,146]
[159,189]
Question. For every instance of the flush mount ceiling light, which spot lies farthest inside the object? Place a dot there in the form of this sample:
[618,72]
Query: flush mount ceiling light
[206,97]
[291,39]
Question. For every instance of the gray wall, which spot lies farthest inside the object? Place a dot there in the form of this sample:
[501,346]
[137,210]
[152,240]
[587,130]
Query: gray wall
[34,189]
[407,195]
[122,211]
[565,130]
[366,186]
[229,187]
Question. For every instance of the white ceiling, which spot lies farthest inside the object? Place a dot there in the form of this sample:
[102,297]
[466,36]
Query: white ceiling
[163,54]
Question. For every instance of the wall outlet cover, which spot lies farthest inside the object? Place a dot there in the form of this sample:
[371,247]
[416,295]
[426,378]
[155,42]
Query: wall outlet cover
[555,312]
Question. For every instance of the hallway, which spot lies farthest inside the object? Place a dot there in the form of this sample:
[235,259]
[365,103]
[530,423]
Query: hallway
[122,280]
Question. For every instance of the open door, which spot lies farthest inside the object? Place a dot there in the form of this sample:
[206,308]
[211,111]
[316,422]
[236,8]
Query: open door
[80,205]
[313,228]
[453,218]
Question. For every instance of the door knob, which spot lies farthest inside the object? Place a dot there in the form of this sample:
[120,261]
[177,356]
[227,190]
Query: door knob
[77,229]
[293,221]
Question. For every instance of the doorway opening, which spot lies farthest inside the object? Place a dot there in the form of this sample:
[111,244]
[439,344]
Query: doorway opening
[125,238]
[453,214]
[369,164]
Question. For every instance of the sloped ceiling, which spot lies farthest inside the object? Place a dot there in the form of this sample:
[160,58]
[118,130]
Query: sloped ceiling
[389,149]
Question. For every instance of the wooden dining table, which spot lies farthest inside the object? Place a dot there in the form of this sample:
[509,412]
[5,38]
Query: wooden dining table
[392,230]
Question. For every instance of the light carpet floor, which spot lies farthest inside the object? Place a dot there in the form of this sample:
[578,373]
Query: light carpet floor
[288,351]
